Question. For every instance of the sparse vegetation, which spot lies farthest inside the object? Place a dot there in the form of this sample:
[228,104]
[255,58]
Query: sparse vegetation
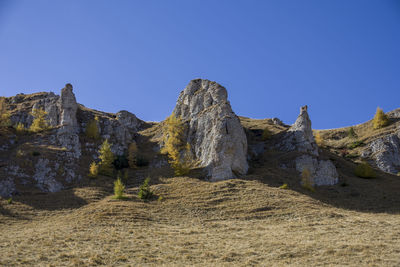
[132,155]
[380,119]
[267,134]
[119,188]
[39,122]
[106,159]
[20,153]
[174,145]
[92,129]
[351,133]
[307,180]
[364,170]
[20,128]
[4,114]
[318,139]
[144,190]
[284,186]
[356,144]
[93,170]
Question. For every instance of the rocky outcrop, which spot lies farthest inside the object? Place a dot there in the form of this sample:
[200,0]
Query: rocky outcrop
[67,134]
[300,138]
[7,187]
[215,134]
[323,172]
[45,177]
[385,151]
[68,108]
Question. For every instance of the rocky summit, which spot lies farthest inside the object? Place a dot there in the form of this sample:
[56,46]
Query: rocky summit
[215,134]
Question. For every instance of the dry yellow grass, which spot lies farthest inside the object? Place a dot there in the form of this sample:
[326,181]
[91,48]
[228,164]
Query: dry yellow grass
[238,222]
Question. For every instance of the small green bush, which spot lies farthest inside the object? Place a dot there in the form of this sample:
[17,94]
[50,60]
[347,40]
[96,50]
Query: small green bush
[351,156]
[20,128]
[144,190]
[351,133]
[284,186]
[9,201]
[119,188]
[356,144]
[93,170]
[364,170]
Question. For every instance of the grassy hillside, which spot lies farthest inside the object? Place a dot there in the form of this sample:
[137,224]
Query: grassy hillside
[239,222]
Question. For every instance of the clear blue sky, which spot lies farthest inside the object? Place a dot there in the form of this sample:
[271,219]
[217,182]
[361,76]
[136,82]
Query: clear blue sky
[340,57]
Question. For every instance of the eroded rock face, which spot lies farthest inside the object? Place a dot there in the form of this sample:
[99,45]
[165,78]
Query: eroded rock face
[7,187]
[215,134]
[300,138]
[385,152]
[45,177]
[67,134]
[323,172]
[68,108]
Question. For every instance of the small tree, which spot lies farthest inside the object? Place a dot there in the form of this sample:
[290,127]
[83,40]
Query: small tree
[307,180]
[380,119]
[39,122]
[132,155]
[20,128]
[5,119]
[93,170]
[92,129]
[106,159]
[318,139]
[175,147]
[119,189]
[144,190]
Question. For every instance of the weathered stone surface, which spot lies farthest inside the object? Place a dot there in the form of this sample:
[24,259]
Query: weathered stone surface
[323,172]
[68,107]
[7,187]
[215,134]
[45,177]
[300,138]
[385,151]
[67,134]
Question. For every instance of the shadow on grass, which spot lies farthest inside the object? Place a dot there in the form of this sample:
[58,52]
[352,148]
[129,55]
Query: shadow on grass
[377,195]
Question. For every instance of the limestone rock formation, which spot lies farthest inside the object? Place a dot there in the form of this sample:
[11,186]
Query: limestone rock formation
[68,108]
[385,151]
[300,138]
[215,134]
